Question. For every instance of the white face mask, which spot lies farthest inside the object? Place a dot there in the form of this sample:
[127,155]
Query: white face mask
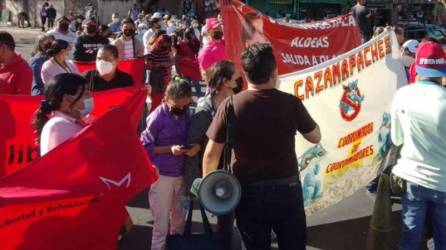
[407,60]
[104,67]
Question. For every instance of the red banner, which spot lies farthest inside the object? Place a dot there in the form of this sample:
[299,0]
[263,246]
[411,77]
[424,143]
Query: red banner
[296,46]
[17,139]
[133,67]
[74,197]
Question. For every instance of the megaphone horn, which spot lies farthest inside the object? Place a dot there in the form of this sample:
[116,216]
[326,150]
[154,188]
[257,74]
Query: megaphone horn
[219,192]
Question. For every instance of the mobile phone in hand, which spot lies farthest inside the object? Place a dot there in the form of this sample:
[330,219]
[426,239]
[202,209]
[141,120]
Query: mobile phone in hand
[186,147]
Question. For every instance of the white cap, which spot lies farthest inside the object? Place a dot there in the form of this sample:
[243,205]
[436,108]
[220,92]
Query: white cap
[157,15]
[166,16]
[411,45]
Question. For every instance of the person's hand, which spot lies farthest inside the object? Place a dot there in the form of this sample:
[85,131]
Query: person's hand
[177,151]
[193,150]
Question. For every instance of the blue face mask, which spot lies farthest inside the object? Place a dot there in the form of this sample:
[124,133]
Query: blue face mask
[88,107]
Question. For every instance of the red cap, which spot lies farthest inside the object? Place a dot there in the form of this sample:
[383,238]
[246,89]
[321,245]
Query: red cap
[430,60]
[212,23]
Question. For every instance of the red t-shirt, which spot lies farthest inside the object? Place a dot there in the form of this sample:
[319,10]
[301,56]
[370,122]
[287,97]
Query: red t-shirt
[412,73]
[187,62]
[16,77]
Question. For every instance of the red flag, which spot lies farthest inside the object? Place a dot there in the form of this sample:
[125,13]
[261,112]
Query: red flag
[74,196]
[296,46]
[134,67]
[17,139]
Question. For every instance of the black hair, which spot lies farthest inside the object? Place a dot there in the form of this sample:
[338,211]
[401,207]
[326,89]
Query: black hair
[39,47]
[223,70]
[63,18]
[57,46]
[430,39]
[194,43]
[57,87]
[7,39]
[399,30]
[112,49]
[127,20]
[258,62]
[178,88]
[102,28]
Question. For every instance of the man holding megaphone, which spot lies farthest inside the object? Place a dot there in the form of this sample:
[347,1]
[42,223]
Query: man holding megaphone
[265,121]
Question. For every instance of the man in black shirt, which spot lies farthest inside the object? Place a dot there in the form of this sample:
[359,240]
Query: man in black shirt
[87,45]
[363,17]
[265,121]
[106,76]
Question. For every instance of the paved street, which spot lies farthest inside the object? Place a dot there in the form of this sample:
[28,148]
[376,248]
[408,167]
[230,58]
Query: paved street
[342,227]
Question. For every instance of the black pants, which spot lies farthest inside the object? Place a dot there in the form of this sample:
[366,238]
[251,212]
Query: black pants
[50,23]
[43,21]
[272,207]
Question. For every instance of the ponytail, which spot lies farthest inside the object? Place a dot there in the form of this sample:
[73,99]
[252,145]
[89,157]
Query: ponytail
[57,88]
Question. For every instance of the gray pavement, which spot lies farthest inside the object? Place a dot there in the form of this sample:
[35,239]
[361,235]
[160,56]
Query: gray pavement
[343,226]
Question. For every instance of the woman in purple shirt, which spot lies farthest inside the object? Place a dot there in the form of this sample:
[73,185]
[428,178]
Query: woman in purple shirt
[164,140]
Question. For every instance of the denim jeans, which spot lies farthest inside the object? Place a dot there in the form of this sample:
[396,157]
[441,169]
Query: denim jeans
[419,202]
[275,207]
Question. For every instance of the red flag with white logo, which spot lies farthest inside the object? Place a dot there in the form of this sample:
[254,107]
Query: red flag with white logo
[74,197]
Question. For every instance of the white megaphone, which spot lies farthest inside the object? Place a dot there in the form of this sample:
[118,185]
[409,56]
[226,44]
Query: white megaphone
[219,192]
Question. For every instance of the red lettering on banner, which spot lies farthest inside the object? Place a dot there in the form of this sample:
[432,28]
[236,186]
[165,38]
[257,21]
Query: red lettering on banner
[344,69]
[388,44]
[381,49]
[360,61]
[318,78]
[328,78]
[309,87]
[374,52]
[352,62]
[297,85]
[336,74]
[367,61]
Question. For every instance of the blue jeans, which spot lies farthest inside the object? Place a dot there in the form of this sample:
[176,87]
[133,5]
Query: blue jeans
[416,203]
[276,207]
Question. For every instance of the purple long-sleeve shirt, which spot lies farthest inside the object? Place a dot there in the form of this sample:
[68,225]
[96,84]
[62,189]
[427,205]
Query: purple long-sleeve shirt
[165,129]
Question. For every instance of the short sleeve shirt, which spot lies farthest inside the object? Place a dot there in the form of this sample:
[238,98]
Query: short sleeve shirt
[266,122]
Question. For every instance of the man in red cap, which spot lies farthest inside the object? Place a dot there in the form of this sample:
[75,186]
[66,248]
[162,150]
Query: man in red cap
[419,124]
[214,51]
[15,74]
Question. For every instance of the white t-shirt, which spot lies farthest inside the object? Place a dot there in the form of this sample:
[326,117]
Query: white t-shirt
[51,69]
[70,37]
[418,123]
[57,130]
[145,40]
[128,50]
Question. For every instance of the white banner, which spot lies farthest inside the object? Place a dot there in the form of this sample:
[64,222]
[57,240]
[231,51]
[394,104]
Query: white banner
[349,97]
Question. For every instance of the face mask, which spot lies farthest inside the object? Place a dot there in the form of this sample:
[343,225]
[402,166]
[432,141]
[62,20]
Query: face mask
[92,29]
[63,27]
[129,32]
[88,107]
[116,20]
[217,35]
[104,67]
[239,87]
[177,111]
[407,60]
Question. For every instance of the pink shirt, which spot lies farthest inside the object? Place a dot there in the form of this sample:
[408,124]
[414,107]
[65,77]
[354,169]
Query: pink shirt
[58,129]
[211,53]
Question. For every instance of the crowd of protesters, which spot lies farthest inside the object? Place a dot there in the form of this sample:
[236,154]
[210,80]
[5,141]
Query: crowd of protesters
[186,66]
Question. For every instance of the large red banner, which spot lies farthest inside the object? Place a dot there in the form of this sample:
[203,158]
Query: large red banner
[17,139]
[133,67]
[74,197]
[296,46]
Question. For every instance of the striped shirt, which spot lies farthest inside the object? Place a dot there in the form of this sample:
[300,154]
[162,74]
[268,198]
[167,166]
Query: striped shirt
[128,50]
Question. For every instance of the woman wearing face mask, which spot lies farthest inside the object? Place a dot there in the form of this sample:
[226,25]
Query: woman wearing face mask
[58,63]
[164,140]
[408,51]
[224,82]
[67,101]
[214,51]
[39,57]
[128,45]
[106,76]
